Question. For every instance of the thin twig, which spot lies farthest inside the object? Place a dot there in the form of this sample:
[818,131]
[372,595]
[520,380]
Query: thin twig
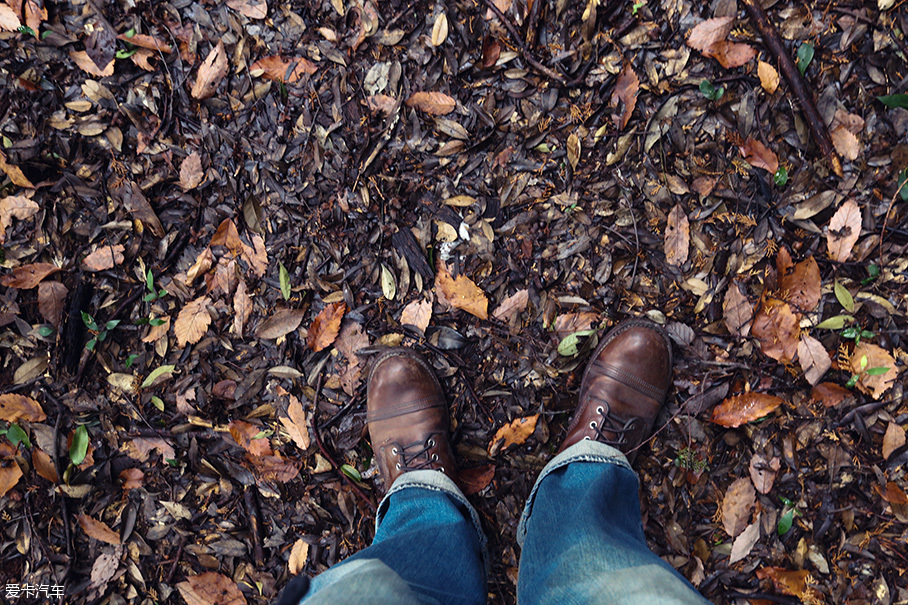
[524,51]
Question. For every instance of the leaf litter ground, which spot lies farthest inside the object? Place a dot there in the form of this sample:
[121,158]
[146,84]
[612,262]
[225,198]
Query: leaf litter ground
[246,200]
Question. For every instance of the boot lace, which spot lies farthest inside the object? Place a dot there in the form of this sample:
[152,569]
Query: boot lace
[416,456]
[611,430]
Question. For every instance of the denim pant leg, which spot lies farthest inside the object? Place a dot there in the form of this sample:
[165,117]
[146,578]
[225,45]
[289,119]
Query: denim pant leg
[582,536]
[428,548]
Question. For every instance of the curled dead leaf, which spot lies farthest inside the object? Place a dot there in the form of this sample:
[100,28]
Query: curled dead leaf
[777,329]
[461,293]
[98,530]
[279,69]
[759,155]
[844,230]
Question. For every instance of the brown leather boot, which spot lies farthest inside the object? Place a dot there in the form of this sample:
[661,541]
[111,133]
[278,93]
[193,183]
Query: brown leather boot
[407,416]
[623,388]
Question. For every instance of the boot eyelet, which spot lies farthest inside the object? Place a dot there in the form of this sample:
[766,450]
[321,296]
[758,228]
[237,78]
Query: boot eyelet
[442,469]
[431,443]
[393,451]
[434,457]
[587,438]
[593,424]
[600,411]
[397,466]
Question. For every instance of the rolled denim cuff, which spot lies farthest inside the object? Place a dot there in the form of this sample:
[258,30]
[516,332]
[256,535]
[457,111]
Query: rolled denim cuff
[438,482]
[582,451]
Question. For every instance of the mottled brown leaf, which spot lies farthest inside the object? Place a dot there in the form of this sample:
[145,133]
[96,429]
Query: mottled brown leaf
[830,394]
[738,310]
[844,230]
[281,323]
[191,173]
[677,237]
[626,87]
[744,408]
[298,556]
[15,407]
[706,33]
[736,505]
[876,357]
[763,472]
[515,432]
[790,582]
[800,284]
[433,103]
[15,206]
[731,54]
[132,478]
[511,307]
[249,437]
[44,465]
[14,173]
[103,258]
[813,358]
[295,423]
[85,63]
[474,480]
[326,326]
[759,155]
[211,72]
[211,588]
[284,70]
[98,530]
[254,9]
[418,313]
[461,293]
[893,439]
[777,329]
[242,308]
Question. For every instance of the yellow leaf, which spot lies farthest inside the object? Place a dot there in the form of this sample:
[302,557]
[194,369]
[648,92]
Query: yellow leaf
[769,77]
[513,433]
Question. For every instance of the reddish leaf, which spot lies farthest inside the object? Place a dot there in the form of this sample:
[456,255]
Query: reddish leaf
[677,237]
[433,103]
[382,103]
[228,236]
[146,41]
[491,50]
[474,480]
[284,70]
[626,87]
[830,394]
[777,329]
[44,465]
[242,308]
[132,478]
[706,33]
[104,258]
[15,407]
[759,155]
[326,326]
[211,72]
[731,54]
[800,284]
[790,582]
[98,530]
[10,473]
[254,9]
[513,433]
[744,408]
[511,307]
[844,230]
[28,276]
[245,435]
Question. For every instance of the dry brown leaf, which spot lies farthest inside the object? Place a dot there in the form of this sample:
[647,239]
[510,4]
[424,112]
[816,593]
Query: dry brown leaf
[27,277]
[744,408]
[137,204]
[731,54]
[242,308]
[769,77]
[813,358]
[706,33]
[433,103]
[515,432]
[147,42]
[491,51]
[10,474]
[132,478]
[98,530]
[201,266]
[474,480]
[228,236]
[8,20]
[104,258]
[759,155]
[211,72]
[462,293]
[155,333]
[704,185]
[44,465]
[85,63]
[281,323]
[284,70]
[351,339]
[295,424]
[140,448]
[254,9]
[877,357]
[15,407]
[573,150]
[763,472]
[249,437]
[382,103]
[738,310]
[14,173]
[511,307]
[15,206]
[626,87]
[790,582]
[440,29]
[326,326]
[845,142]
[34,13]
[844,230]
[736,505]
[192,322]
[191,173]
[568,323]
[211,588]
[274,468]
[777,329]
[677,237]
[800,284]
[830,394]
[256,255]
[418,314]
[298,556]
[893,439]
[745,542]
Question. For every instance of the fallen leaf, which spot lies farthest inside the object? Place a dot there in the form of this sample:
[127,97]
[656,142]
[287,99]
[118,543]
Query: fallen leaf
[433,103]
[515,432]
[474,480]
[813,358]
[763,472]
[418,314]
[274,468]
[351,339]
[8,19]
[704,185]
[103,258]
[769,77]
[14,173]
[105,568]
[382,103]
[146,41]
[573,150]
[745,542]
[677,237]
[877,357]
[626,87]
[893,494]
[295,424]
[155,333]
[512,306]
[440,30]
[790,582]
[256,255]
[281,323]
[44,465]
[893,439]
[98,530]
[800,284]
[845,142]
[10,473]
[843,232]
[135,201]
[191,173]
[254,9]
[211,588]
[228,236]
[132,478]
[738,311]
[731,54]
[140,448]
[279,69]
[569,323]
[736,505]
[491,51]
[461,293]
[830,394]
[247,435]
[706,33]
[15,206]
[298,556]
[84,62]
[759,155]
[201,266]
[744,408]
[34,12]
[27,277]
[15,407]
[242,308]
[192,322]
[211,72]
[326,326]
[777,328]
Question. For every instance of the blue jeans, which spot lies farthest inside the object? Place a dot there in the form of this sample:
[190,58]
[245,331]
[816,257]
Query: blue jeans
[581,535]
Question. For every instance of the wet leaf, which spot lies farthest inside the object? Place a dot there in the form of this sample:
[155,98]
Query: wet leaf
[281,323]
[515,432]
[192,322]
[254,9]
[738,310]
[418,314]
[777,329]
[626,87]
[279,69]
[462,293]
[813,358]
[15,206]
[211,588]
[440,29]
[893,439]
[759,155]
[769,77]
[26,277]
[191,173]
[210,73]
[866,355]
[103,258]
[433,103]
[15,407]
[298,556]
[98,530]
[325,326]
[844,230]
[744,408]
[763,472]
[677,237]
[736,505]
[249,437]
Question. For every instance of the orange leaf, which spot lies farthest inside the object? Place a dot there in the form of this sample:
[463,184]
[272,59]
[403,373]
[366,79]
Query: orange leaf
[731,54]
[254,9]
[417,314]
[146,41]
[211,72]
[325,326]
[14,173]
[132,478]
[275,468]
[28,276]
[769,77]
[744,408]
[800,284]
[10,473]
[845,142]
[877,357]
[228,236]
[8,20]
[14,407]
[790,582]
[192,322]
[776,327]
[830,394]
[759,155]
[626,87]
[283,70]
[462,293]
[677,237]
[87,65]
[211,588]
[245,434]
[98,530]
[844,230]
[44,465]
[893,494]
[433,103]
[104,258]
[513,433]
